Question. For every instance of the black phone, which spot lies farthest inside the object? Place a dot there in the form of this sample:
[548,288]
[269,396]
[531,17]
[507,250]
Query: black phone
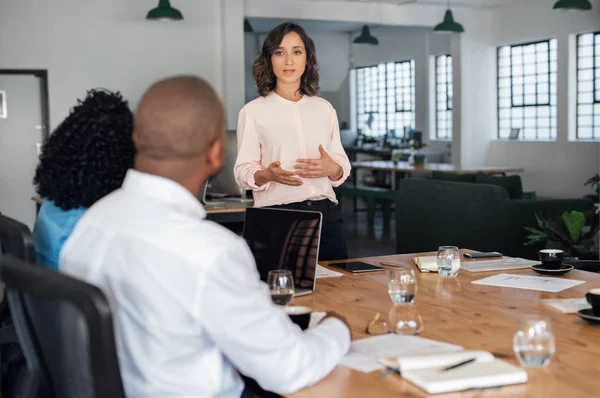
[357,266]
[483,255]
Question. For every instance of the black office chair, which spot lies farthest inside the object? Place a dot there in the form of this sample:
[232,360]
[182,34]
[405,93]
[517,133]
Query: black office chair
[15,375]
[66,331]
[16,239]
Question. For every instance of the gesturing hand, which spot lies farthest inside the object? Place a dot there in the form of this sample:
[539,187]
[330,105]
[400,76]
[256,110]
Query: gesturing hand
[275,173]
[325,166]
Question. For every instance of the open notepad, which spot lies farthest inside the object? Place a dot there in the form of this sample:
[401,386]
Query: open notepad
[429,264]
[426,371]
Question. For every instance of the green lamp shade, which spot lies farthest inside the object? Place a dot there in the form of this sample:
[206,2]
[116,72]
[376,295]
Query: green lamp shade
[164,11]
[448,25]
[248,27]
[572,5]
[366,38]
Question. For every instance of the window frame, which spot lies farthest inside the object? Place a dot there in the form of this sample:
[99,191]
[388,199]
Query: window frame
[551,103]
[448,100]
[595,71]
[398,105]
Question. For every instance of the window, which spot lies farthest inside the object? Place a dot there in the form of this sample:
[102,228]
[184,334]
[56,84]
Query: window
[527,90]
[385,98]
[443,97]
[588,86]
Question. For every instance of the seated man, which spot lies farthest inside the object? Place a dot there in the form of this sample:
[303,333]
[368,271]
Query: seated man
[188,303]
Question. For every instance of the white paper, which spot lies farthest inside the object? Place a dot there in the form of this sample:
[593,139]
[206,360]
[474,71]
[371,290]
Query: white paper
[568,306]
[322,272]
[497,265]
[529,282]
[365,353]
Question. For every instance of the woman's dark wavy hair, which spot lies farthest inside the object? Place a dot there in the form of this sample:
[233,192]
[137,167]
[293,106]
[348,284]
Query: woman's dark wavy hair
[88,154]
[262,69]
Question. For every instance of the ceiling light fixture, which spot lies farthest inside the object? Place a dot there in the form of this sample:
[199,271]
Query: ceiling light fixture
[164,11]
[572,5]
[366,37]
[448,25]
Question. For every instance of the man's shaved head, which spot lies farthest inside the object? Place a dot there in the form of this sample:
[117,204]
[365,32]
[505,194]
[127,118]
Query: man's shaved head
[178,118]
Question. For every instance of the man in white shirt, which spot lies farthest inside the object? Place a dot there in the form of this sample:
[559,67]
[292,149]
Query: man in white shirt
[188,305]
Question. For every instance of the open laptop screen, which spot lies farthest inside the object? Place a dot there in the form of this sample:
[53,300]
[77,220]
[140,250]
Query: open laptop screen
[284,239]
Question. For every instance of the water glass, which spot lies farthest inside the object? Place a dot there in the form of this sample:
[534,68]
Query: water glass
[405,320]
[533,343]
[448,261]
[402,285]
[281,285]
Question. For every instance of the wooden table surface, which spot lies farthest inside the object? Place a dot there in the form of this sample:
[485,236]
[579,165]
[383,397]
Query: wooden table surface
[388,165]
[474,316]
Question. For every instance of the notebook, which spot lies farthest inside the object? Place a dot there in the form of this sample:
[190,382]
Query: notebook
[426,263]
[426,371]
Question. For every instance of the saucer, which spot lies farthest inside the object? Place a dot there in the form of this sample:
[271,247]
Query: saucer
[588,315]
[552,272]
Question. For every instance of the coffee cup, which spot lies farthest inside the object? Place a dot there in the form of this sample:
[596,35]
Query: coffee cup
[300,315]
[593,297]
[551,258]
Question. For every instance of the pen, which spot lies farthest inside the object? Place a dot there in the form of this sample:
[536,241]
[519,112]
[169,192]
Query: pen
[457,365]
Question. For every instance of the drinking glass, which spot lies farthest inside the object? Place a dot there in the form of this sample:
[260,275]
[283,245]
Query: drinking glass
[533,343]
[405,320]
[448,261]
[281,284]
[402,285]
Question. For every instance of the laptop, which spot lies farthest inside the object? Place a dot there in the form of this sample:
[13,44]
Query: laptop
[285,239]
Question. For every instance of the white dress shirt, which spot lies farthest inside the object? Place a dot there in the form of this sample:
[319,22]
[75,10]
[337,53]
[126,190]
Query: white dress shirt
[272,129]
[188,304]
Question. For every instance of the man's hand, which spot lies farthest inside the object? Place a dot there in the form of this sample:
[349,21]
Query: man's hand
[275,173]
[325,166]
[333,314]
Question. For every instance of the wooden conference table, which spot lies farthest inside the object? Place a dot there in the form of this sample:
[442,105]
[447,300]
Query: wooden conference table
[473,316]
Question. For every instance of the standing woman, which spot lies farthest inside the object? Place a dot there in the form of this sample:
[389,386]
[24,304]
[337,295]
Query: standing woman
[289,148]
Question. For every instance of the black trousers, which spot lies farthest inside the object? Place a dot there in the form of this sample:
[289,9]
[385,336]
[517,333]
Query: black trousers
[333,245]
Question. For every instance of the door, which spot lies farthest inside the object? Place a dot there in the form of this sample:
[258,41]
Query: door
[20,135]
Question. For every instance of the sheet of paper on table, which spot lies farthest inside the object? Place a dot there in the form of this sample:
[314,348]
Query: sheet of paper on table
[322,272]
[505,263]
[529,282]
[567,306]
[364,354]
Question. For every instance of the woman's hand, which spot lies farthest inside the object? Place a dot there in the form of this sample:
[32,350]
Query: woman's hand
[325,166]
[276,174]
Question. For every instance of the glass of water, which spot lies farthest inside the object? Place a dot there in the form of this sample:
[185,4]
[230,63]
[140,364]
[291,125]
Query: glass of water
[281,285]
[533,342]
[405,320]
[402,285]
[448,261]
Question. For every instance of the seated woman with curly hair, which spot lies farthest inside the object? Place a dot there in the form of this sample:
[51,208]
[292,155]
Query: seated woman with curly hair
[84,159]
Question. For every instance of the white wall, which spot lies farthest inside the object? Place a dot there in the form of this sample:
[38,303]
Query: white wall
[109,43]
[556,169]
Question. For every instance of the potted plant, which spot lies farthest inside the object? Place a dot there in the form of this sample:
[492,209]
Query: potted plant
[573,232]
[418,157]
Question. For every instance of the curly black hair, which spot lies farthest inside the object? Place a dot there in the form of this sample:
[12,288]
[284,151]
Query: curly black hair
[262,69]
[88,154]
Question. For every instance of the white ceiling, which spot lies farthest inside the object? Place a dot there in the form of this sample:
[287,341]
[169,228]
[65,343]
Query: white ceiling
[453,3]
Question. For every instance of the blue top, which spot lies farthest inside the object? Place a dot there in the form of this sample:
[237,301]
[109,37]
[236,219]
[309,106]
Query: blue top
[53,226]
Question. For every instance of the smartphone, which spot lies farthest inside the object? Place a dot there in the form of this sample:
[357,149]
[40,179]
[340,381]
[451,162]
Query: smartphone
[357,267]
[483,255]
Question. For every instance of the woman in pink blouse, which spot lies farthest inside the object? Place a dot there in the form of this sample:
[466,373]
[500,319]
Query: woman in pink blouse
[289,148]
